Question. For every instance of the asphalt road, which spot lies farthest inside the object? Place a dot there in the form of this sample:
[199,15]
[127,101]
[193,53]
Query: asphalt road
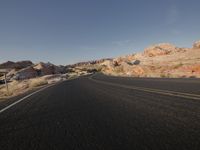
[102,112]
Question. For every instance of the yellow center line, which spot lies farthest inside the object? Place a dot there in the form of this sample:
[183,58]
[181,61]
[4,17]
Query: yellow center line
[151,90]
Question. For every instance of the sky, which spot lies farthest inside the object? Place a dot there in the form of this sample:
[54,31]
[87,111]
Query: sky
[69,31]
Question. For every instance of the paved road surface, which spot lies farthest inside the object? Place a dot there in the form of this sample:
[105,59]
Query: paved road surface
[102,112]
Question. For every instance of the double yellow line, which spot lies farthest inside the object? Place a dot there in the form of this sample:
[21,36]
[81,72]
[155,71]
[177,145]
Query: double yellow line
[150,90]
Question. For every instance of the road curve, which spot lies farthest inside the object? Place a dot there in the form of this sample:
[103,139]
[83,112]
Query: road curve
[105,113]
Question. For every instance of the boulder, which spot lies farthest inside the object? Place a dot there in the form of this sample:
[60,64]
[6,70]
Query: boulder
[135,62]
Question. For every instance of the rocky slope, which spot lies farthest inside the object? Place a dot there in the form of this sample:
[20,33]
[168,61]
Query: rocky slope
[161,60]
[26,69]
[25,76]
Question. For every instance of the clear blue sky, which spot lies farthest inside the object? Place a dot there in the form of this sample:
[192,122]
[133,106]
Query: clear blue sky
[68,31]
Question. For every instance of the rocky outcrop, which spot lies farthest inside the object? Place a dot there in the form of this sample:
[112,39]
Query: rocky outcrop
[160,49]
[48,68]
[26,69]
[127,58]
[196,44]
[135,62]
[45,69]
[132,70]
[25,73]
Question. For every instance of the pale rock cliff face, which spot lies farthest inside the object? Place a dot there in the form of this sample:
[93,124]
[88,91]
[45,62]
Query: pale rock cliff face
[26,69]
[160,49]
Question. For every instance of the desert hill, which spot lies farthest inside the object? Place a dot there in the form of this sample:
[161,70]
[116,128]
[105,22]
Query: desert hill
[160,60]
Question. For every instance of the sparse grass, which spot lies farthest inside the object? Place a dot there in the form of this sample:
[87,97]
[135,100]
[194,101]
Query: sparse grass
[18,87]
[37,82]
[14,87]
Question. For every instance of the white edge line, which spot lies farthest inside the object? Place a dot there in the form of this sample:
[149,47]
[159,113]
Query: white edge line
[18,101]
[13,104]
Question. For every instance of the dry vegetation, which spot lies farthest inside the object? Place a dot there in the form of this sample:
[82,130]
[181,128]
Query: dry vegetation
[15,88]
[37,82]
[19,87]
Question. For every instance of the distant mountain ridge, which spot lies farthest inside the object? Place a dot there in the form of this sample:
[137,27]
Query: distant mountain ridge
[160,60]
[16,65]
